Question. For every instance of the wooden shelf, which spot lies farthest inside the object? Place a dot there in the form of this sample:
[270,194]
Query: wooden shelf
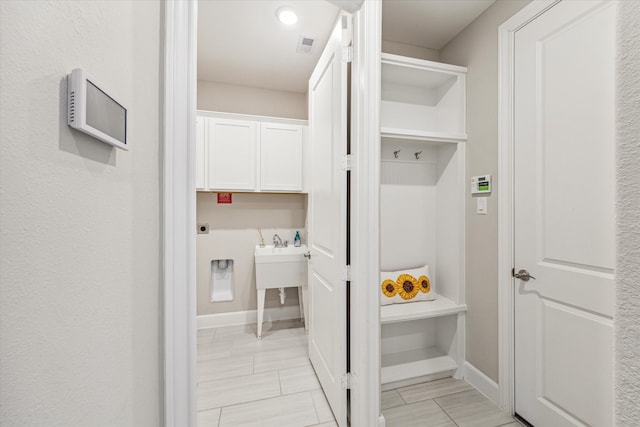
[419,310]
[415,363]
[397,133]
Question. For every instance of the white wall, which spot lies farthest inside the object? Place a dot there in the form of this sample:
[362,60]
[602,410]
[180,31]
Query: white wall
[476,47]
[627,316]
[408,195]
[234,234]
[80,221]
[214,96]
[410,51]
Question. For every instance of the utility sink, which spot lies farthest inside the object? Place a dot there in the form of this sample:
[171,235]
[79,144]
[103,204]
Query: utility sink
[280,268]
[270,254]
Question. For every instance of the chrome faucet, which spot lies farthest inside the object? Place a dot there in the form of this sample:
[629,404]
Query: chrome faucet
[277,242]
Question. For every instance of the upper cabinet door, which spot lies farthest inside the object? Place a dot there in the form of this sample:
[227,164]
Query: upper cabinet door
[232,154]
[201,153]
[281,157]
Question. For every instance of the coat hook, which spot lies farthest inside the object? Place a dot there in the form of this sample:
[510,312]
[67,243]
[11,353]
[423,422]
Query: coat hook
[418,155]
[395,153]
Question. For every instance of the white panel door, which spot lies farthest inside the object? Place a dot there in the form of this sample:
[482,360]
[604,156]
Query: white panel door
[564,215]
[327,225]
[201,153]
[232,154]
[281,157]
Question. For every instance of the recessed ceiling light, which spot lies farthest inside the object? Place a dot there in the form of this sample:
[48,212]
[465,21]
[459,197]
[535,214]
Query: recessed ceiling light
[286,15]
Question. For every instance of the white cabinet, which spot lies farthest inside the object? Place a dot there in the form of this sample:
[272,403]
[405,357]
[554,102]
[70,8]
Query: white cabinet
[232,154]
[281,157]
[422,194]
[247,153]
[201,154]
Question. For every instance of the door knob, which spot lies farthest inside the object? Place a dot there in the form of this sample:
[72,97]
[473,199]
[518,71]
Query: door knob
[522,275]
[307,255]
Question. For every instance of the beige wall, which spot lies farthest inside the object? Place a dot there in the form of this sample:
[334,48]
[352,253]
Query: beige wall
[234,235]
[410,51]
[476,47]
[80,220]
[627,316]
[213,96]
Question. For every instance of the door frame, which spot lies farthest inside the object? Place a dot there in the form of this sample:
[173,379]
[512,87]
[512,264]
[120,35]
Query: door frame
[365,210]
[179,211]
[506,88]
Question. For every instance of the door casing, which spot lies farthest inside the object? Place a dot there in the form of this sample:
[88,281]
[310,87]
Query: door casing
[178,214]
[365,231]
[178,191]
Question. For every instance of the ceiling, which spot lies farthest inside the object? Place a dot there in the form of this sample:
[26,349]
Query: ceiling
[428,23]
[242,42]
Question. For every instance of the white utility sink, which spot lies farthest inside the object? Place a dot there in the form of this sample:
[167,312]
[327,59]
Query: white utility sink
[272,254]
[280,268]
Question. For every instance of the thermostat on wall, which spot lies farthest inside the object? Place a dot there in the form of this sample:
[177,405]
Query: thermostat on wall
[481,184]
[92,111]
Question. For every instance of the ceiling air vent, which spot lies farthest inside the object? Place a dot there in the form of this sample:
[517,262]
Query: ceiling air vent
[304,45]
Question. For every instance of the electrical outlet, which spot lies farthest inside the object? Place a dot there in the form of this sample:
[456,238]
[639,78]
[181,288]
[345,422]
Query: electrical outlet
[203,228]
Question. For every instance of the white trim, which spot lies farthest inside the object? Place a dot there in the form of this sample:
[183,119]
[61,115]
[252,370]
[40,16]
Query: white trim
[381,421]
[365,207]
[417,380]
[481,382]
[250,117]
[179,214]
[422,64]
[286,312]
[506,35]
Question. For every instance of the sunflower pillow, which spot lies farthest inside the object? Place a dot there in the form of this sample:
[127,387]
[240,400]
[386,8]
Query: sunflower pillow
[406,286]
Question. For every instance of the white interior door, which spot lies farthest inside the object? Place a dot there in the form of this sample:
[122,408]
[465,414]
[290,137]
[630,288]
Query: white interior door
[564,215]
[327,224]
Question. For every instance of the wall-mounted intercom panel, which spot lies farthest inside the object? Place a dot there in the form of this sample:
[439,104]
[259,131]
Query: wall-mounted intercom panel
[92,111]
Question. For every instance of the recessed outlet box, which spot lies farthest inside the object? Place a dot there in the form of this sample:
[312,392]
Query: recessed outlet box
[203,228]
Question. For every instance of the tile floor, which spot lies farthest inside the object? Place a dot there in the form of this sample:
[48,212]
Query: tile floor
[243,381]
[443,403]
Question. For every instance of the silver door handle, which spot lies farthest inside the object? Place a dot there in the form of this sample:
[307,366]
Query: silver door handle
[522,275]
[307,255]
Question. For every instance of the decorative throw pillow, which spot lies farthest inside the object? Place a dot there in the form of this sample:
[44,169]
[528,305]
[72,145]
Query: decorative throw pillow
[406,286]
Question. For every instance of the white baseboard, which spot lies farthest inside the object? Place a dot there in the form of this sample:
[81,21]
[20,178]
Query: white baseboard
[481,382]
[415,380]
[247,317]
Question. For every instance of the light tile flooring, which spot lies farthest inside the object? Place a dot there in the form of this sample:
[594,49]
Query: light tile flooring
[442,403]
[243,381]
